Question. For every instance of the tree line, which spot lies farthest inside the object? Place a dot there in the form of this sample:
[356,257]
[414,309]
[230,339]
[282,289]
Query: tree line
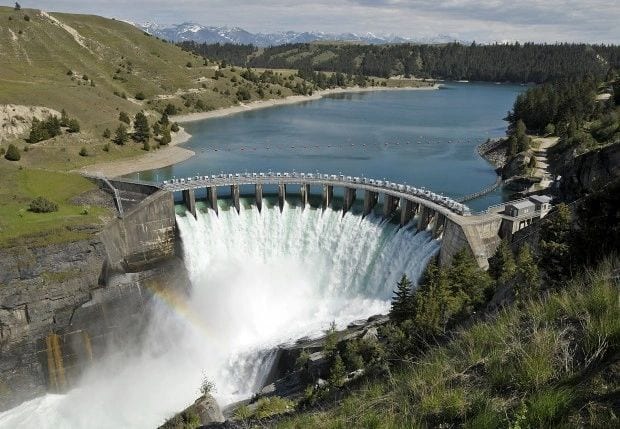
[516,62]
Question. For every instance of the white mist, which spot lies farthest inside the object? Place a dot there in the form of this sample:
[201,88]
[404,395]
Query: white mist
[258,280]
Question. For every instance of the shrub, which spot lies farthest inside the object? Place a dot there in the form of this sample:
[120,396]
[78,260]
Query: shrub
[42,205]
[124,117]
[165,138]
[207,386]
[85,77]
[107,133]
[73,126]
[175,128]
[550,130]
[140,96]
[170,109]
[12,153]
[106,147]
[83,151]
[2,151]
[146,146]
[188,65]
[27,18]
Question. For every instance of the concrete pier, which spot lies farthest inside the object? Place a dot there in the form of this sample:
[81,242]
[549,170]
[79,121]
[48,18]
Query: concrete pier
[189,199]
[389,205]
[407,212]
[304,192]
[281,196]
[438,226]
[234,194]
[212,197]
[258,193]
[426,215]
[349,199]
[370,201]
[328,195]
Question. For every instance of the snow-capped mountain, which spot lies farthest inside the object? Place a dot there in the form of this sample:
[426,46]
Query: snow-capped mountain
[208,34]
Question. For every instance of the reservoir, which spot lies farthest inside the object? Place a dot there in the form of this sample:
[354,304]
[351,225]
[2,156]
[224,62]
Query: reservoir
[422,138]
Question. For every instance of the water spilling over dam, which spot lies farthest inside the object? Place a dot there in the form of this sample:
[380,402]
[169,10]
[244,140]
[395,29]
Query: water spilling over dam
[258,279]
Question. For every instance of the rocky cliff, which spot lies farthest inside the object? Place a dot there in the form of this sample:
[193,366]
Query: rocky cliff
[588,172]
[61,304]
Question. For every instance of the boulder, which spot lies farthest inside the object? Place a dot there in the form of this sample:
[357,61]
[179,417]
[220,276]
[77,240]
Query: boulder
[208,410]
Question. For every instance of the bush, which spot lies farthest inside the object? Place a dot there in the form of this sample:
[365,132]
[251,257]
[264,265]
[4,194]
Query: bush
[85,77]
[27,18]
[73,126]
[550,130]
[124,117]
[106,147]
[175,128]
[107,133]
[166,138]
[188,65]
[140,96]
[12,153]
[42,205]
[146,146]
[2,151]
[207,386]
[83,151]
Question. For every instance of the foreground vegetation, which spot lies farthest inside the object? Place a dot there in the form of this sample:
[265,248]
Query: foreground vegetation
[549,362]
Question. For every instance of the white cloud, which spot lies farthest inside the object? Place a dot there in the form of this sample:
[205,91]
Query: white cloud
[482,20]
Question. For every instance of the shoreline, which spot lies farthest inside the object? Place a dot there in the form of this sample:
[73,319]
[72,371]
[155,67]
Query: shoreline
[173,154]
[162,157]
[291,99]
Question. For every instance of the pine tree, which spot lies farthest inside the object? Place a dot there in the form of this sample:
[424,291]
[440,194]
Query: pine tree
[401,308]
[164,121]
[166,138]
[64,118]
[528,274]
[73,126]
[555,242]
[430,302]
[468,285]
[502,266]
[338,372]
[121,136]
[142,131]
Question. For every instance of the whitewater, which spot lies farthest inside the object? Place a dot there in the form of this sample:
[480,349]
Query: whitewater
[257,280]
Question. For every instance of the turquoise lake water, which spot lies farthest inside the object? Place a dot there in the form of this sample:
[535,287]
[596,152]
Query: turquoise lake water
[422,138]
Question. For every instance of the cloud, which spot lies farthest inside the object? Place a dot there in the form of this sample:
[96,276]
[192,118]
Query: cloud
[481,20]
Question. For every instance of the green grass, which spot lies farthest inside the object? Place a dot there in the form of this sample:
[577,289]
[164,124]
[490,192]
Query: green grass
[550,363]
[20,226]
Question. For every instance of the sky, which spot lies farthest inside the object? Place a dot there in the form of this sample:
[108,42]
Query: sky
[595,21]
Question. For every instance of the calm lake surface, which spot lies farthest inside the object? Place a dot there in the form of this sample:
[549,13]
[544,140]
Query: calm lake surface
[422,138]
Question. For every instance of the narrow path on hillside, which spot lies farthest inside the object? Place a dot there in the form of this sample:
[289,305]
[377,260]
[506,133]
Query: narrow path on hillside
[542,144]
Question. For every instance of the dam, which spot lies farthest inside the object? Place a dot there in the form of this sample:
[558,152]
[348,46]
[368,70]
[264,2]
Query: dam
[444,217]
[269,271]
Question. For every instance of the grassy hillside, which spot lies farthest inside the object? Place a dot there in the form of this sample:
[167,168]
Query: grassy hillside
[550,362]
[94,68]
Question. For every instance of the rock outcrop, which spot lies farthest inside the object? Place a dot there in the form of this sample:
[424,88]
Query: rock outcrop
[588,172]
[62,304]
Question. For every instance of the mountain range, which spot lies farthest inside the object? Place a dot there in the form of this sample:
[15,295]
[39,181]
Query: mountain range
[210,34]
